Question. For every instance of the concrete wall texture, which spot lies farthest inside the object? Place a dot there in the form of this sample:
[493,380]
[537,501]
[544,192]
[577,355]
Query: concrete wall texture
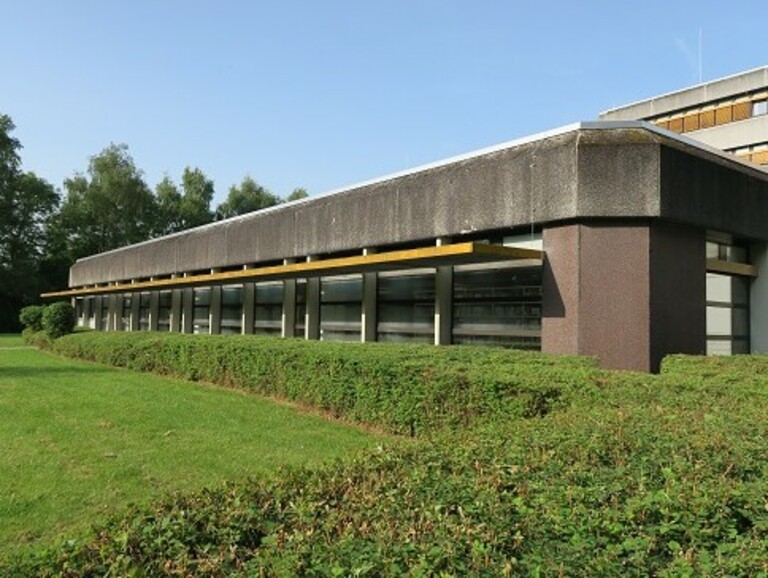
[579,174]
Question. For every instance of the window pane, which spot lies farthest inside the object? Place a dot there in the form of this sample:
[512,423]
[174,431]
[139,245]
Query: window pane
[498,306]
[202,302]
[164,311]
[341,308]
[406,308]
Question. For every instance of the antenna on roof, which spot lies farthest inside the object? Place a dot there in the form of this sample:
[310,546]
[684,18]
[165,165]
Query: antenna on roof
[701,66]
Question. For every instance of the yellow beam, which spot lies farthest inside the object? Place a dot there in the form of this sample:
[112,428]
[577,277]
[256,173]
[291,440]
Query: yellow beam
[731,268]
[459,253]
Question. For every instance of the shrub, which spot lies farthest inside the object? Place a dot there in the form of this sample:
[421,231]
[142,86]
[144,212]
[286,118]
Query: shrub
[58,319]
[410,389]
[31,317]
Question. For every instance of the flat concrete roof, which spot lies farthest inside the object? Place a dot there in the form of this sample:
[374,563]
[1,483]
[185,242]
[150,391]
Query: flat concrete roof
[592,170]
[700,94]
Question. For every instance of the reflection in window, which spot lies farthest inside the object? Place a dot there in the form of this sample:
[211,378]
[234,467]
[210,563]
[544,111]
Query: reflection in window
[231,309]
[759,107]
[164,311]
[301,307]
[125,312]
[268,311]
[202,308]
[341,308]
[727,314]
[498,306]
[144,306]
[79,311]
[406,307]
[104,312]
[91,321]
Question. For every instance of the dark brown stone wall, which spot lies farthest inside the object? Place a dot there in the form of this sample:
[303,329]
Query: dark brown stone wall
[678,291]
[628,293]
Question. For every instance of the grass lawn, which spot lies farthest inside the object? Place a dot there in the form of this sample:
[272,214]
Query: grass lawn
[80,441]
[11,340]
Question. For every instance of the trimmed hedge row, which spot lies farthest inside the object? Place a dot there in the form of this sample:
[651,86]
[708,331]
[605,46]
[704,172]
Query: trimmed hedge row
[637,489]
[403,389]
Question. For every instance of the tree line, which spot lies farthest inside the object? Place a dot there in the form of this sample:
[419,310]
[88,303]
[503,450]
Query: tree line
[43,231]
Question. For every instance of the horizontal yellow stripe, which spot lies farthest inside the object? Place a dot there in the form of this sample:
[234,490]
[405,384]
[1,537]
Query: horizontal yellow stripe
[731,268]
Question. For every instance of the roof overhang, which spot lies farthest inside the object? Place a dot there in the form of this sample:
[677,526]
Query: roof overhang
[423,257]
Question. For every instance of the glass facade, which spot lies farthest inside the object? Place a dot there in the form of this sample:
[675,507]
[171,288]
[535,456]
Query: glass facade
[165,304]
[144,305]
[125,311]
[727,300]
[727,314]
[104,312]
[406,307]
[301,307]
[268,309]
[498,306]
[231,309]
[201,310]
[90,321]
[341,306]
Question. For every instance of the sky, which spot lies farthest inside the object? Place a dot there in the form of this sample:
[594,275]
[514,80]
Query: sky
[324,94]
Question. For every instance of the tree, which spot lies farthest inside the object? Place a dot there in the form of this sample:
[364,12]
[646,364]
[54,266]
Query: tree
[196,201]
[179,211]
[298,193]
[26,205]
[109,207]
[168,197]
[246,198]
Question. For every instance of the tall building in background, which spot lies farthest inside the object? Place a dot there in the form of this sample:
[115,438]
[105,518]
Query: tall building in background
[729,113]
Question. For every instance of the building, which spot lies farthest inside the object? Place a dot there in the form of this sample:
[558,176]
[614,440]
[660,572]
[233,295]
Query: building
[730,113]
[618,239]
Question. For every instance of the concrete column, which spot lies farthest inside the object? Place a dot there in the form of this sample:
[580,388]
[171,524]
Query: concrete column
[249,296]
[443,301]
[154,309]
[312,316]
[758,300]
[369,306]
[133,323]
[187,310]
[289,305]
[626,292]
[214,311]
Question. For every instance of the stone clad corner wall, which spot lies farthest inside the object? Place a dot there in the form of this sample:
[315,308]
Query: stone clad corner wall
[626,292]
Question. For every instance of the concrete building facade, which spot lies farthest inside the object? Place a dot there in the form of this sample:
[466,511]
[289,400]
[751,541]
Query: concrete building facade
[618,239]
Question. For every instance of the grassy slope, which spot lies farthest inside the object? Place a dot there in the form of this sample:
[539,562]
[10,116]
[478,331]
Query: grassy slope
[82,440]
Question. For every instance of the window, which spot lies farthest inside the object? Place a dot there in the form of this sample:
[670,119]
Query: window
[406,307]
[164,311]
[231,309]
[144,306]
[498,306]
[268,311]
[759,107]
[125,315]
[341,308]
[202,305]
[727,314]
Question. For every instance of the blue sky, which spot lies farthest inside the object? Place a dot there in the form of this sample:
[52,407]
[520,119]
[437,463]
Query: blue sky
[323,94]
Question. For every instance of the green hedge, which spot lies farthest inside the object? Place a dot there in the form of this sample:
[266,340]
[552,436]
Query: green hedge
[640,488]
[405,389]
